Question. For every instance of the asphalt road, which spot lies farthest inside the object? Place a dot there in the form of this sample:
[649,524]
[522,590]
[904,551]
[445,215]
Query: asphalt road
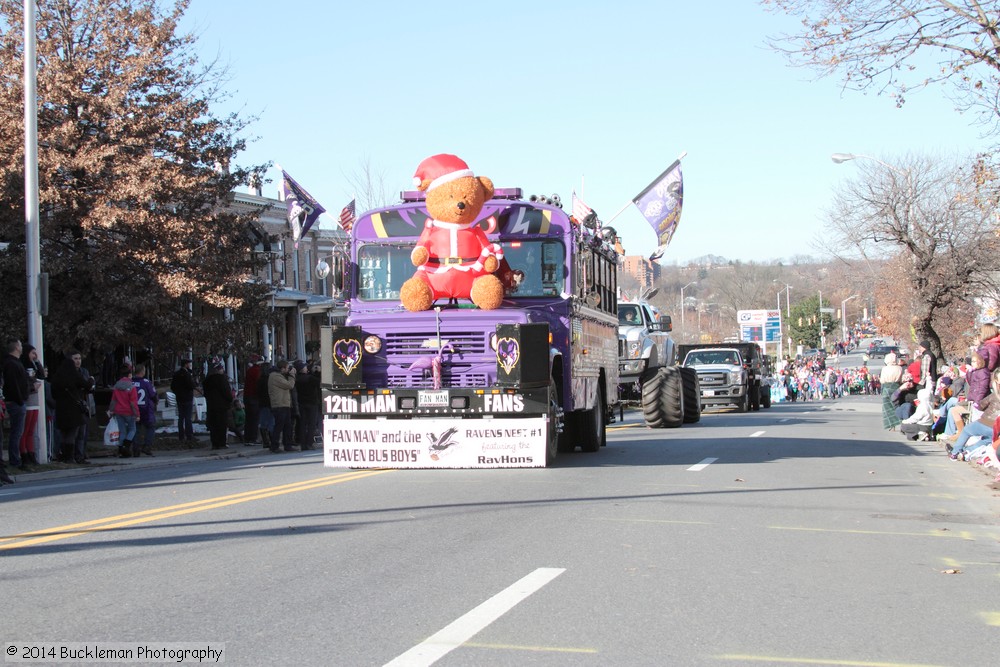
[799,535]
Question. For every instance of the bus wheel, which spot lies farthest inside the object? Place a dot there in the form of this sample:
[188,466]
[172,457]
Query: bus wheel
[593,433]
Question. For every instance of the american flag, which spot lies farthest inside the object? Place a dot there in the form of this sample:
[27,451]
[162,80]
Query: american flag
[347,216]
[580,210]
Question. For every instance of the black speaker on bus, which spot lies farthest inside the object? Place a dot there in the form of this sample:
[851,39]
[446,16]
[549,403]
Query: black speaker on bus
[523,355]
[346,350]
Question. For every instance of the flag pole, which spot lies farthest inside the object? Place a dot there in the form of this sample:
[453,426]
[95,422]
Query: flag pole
[630,201]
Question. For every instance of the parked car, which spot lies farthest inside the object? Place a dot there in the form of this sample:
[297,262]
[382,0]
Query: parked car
[882,350]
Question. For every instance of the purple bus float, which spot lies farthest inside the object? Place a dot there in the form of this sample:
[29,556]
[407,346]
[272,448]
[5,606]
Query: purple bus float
[460,387]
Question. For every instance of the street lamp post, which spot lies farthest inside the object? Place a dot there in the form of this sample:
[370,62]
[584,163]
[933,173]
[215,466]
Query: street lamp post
[693,282]
[788,313]
[32,218]
[843,314]
[822,331]
[779,328]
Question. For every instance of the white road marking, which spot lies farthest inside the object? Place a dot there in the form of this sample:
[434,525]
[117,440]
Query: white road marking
[464,628]
[757,434]
[786,419]
[704,464]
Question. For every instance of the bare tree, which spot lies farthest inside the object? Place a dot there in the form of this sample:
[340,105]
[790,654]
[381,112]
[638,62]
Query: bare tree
[746,286]
[933,223]
[370,187]
[880,45]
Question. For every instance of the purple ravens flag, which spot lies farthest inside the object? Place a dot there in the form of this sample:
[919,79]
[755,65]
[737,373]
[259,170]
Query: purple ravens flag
[303,209]
[660,203]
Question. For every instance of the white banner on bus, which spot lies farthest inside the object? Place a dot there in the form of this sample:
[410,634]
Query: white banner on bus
[434,443]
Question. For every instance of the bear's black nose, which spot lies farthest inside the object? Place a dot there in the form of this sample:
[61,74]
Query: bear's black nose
[461,205]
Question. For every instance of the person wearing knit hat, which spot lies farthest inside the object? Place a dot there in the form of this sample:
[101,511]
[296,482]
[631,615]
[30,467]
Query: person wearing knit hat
[928,364]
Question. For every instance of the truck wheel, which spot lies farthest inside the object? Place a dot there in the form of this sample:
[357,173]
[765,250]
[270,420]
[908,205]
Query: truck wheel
[753,393]
[566,443]
[593,433]
[744,404]
[766,396]
[692,394]
[552,444]
[663,399]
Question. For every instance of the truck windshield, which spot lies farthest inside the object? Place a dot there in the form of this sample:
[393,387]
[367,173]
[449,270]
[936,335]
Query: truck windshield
[628,314]
[729,357]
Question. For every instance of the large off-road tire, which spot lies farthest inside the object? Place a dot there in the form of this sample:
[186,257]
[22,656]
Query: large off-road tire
[692,394]
[593,426]
[663,399]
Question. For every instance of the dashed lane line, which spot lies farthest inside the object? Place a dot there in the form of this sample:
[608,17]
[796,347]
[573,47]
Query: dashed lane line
[757,434]
[466,627]
[701,466]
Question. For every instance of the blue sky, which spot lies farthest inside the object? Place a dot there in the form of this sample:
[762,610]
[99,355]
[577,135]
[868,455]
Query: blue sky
[552,97]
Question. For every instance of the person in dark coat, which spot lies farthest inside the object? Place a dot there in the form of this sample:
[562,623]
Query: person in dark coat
[70,388]
[16,391]
[182,384]
[307,386]
[218,398]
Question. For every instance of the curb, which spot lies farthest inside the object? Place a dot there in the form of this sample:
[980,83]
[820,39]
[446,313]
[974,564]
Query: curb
[152,462]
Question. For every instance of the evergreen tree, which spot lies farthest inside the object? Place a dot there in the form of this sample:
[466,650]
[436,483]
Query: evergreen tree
[807,320]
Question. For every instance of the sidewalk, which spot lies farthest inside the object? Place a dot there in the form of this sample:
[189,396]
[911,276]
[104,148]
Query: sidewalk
[105,460]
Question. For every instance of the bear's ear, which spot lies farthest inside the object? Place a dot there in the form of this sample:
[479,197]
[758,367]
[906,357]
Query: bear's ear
[487,186]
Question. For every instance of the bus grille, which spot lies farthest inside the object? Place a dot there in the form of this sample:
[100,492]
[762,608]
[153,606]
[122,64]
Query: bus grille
[410,343]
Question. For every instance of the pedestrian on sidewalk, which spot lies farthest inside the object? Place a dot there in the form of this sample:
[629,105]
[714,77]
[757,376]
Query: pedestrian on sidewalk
[266,419]
[307,386]
[182,384]
[125,408]
[218,398]
[279,385]
[70,388]
[251,401]
[36,395]
[148,399]
[16,390]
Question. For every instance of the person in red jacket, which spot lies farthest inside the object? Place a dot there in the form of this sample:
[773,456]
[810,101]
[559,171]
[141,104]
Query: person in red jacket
[125,409]
[251,401]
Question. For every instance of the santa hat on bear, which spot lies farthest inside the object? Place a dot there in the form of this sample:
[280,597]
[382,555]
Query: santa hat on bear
[438,170]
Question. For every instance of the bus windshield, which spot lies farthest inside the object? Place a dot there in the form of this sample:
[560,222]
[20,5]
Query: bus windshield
[382,270]
[537,267]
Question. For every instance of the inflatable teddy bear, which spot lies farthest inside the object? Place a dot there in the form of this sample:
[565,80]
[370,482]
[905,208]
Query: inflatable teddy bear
[453,256]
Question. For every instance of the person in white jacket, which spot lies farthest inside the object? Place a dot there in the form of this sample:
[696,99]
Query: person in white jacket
[918,425]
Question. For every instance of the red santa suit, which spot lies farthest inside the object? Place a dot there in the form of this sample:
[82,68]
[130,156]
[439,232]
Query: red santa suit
[456,255]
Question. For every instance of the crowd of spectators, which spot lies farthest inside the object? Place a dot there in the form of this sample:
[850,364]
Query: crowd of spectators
[958,404]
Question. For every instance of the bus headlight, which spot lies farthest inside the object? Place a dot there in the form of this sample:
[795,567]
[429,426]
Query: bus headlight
[373,344]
